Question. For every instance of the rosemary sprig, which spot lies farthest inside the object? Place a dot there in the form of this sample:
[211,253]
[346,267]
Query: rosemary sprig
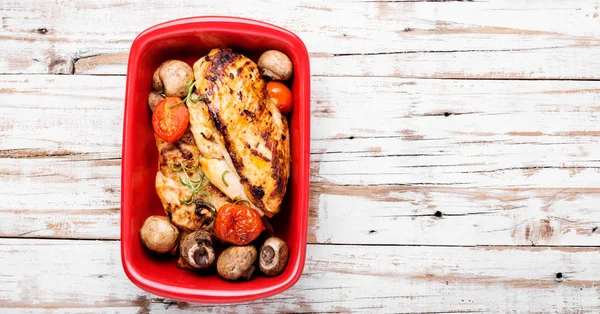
[204,192]
[196,186]
[198,181]
[172,167]
[195,100]
[189,88]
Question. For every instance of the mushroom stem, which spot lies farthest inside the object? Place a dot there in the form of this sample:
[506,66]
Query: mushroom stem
[197,251]
[273,256]
[267,254]
[202,255]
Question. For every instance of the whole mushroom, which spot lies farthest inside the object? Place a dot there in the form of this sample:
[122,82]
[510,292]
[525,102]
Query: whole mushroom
[197,250]
[273,256]
[172,77]
[237,262]
[275,65]
[158,234]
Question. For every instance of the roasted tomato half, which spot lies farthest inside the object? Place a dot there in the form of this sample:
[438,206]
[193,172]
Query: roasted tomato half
[170,119]
[238,224]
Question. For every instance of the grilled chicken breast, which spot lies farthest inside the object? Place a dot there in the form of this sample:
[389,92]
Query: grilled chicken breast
[214,158]
[246,132]
[171,190]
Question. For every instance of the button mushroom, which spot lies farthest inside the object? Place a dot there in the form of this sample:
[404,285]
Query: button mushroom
[154,98]
[158,234]
[197,250]
[276,65]
[172,77]
[273,256]
[237,262]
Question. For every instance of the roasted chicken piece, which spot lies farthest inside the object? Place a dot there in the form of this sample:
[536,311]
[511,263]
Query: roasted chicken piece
[242,136]
[214,158]
[172,191]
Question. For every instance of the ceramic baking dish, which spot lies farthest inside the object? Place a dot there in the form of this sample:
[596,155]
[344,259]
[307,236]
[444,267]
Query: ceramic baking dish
[189,39]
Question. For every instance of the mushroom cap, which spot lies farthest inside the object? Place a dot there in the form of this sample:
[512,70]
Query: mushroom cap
[197,251]
[154,98]
[276,65]
[172,77]
[273,257]
[237,262]
[159,234]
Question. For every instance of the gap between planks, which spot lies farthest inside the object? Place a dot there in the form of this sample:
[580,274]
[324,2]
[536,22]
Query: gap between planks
[483,246]
[352,76]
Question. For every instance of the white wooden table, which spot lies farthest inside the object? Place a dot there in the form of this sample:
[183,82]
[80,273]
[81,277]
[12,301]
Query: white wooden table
[455,155]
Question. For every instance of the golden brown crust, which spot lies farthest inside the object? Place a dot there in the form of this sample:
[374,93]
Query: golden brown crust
[214,158]
[171,191]
[254,132]
[183,150]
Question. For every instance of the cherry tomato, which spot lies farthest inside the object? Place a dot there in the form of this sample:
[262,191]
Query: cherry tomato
[238,224]
[281,95]
[170,122]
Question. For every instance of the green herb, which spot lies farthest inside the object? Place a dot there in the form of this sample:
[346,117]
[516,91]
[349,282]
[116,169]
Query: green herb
[223,177]
[177,104]
[196,186]
[195,100]
[172,167]
[189,84]
[198,181]
[189,88]
[246,201]
[204,192]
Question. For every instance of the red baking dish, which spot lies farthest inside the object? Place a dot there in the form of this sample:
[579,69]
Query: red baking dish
[189,39]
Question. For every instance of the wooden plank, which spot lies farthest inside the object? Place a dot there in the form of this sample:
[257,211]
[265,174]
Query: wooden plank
[512,163]
[454,216]
[468,133]
[359,279]
[49,115]
[450,39]
[459,132]
[80,199]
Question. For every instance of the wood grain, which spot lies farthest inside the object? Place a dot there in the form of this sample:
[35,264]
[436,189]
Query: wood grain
[428,39]
[48,275]
[499,162]
[436,186]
